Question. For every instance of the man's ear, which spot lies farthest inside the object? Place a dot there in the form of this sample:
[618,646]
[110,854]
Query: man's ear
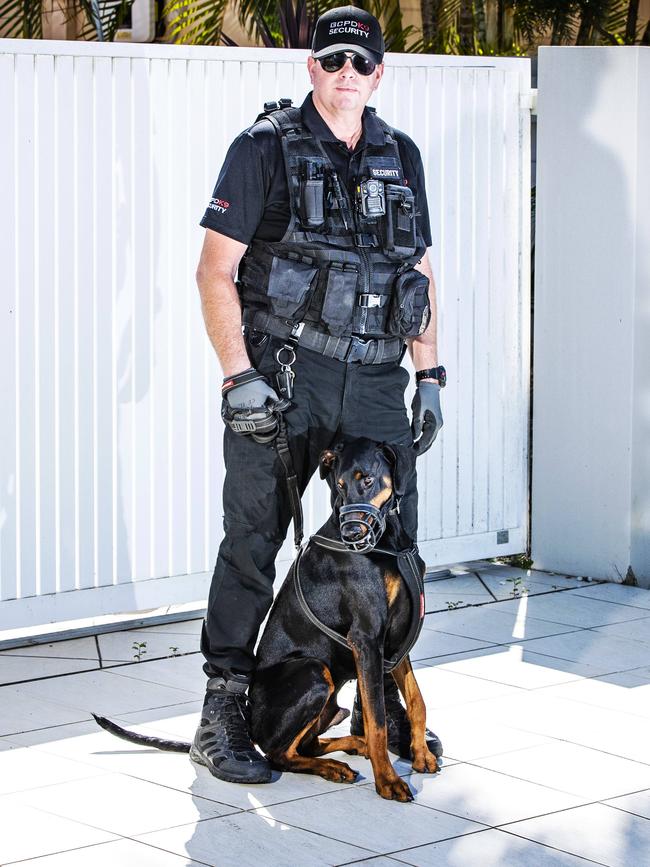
[402,461]
[326,462]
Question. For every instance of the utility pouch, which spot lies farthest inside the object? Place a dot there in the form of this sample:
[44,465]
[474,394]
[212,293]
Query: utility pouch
[290,282]
[400,230]
[312,203]
[409,310]
[340,296]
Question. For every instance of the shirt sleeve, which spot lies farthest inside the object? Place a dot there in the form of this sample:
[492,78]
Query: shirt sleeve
[237,202]
[412,162]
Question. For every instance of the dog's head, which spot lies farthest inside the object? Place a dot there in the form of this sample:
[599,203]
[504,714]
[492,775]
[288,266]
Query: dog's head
[368,479]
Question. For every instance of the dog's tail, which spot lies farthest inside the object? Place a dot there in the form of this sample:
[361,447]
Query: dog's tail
[136,738]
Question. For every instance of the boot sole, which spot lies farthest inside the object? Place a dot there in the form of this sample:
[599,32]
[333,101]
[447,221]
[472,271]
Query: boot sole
[253,779]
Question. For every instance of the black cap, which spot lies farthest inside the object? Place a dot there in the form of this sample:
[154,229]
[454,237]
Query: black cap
[347,28]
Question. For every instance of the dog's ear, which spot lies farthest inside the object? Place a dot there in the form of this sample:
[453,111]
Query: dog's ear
[326,462]
[402,460]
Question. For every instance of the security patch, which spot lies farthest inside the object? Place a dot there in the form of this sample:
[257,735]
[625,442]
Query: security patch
[219,205]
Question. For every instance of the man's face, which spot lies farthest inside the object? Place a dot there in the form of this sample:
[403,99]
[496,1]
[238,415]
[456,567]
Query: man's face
[344,90]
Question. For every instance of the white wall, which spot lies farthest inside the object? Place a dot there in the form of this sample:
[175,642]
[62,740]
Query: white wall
[591,405]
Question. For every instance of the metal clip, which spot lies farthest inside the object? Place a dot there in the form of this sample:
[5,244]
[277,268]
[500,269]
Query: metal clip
[285,376]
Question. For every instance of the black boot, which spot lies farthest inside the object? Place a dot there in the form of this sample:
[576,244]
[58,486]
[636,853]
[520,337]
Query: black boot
[222,741]
[397,723]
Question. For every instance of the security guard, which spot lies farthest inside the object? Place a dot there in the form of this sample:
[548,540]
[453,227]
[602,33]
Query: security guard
[314,278]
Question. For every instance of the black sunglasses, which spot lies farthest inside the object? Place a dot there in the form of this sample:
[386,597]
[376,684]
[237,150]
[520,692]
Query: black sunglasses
[334,62]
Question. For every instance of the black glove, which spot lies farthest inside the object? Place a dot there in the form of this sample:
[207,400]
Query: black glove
[427,416]
[251,407]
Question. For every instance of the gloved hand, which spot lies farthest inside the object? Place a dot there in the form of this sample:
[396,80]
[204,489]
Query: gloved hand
[251,392]
[427,416]
[250,406]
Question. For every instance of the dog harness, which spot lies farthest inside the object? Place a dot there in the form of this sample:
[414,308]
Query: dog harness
[408,570]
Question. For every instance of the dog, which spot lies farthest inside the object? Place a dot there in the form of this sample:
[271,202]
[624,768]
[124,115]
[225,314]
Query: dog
[365,602]
[345,611]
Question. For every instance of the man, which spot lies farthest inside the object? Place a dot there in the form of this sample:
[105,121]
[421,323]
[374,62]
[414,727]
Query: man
[320,213]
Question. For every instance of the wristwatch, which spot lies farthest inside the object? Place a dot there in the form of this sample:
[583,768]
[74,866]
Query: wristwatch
[438,373]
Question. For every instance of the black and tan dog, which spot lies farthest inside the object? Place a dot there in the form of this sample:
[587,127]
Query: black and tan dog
[345,611]
[363,600]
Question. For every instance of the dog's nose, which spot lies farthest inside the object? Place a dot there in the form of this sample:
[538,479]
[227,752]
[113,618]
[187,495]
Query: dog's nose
[353,532]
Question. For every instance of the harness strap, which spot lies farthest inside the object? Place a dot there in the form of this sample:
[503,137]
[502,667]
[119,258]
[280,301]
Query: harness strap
[408,569]
[282,447]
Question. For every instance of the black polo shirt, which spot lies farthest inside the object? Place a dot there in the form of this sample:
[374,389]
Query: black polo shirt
[251,196]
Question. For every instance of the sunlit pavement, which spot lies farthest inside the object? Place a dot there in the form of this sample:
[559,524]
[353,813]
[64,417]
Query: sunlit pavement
[537,684]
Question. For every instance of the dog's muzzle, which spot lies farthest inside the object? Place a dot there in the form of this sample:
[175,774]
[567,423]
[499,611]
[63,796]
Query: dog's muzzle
[362,526]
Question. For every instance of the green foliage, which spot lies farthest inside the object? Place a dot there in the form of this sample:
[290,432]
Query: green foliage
[22,19]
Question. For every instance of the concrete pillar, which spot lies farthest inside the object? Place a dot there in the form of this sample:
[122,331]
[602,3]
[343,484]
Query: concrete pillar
[591,397]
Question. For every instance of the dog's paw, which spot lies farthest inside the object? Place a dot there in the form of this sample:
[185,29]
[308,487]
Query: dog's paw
[394,789]
[336,772]
[425,762]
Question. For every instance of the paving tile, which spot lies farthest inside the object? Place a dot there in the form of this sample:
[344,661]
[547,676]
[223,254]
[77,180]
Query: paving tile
[18,669]
[496,572]
[600,833]
[104,692]
[29,833]
[633,630]
[623,692]
[127,853]
[118,646]
[574,769]
[515,665]
[442,688]
[181,627]
[460,590]
[377,823]
[491,624]
[467,736]
[380,861]
[122,805]
[610,592]
[432,643]
[23,768]
[592,648]
[180,672]
[637,803]
[23,712]
[574,610]
[486,796]
[604,730]
[492,848]
[251,840]
[73,648]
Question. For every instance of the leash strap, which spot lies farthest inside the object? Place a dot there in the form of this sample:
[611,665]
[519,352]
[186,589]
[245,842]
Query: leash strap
[408,569]
[282,447]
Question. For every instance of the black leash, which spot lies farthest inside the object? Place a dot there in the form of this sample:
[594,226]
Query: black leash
[410,573]
[282,446]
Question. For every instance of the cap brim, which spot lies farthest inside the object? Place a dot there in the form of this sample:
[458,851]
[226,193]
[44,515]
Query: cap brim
[344,46]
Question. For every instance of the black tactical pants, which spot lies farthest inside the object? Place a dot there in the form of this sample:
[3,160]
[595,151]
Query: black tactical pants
[332,400]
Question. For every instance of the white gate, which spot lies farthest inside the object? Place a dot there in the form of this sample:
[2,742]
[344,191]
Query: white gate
[110,437]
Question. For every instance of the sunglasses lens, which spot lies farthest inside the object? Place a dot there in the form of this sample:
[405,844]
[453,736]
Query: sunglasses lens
[334,62]
[363,66]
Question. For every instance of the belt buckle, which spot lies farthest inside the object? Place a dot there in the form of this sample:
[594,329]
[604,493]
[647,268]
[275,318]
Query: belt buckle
[358,350]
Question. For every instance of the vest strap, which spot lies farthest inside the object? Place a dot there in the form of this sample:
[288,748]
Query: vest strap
[347,349]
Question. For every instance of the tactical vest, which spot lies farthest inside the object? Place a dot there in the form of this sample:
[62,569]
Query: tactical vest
[342,266]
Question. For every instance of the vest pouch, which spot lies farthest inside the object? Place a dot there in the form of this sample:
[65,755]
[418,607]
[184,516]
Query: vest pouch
[400,229]
[340,296]
[410,310]
[290,282]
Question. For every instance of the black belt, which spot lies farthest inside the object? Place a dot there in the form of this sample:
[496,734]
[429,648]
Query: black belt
[347,349]
[410,573]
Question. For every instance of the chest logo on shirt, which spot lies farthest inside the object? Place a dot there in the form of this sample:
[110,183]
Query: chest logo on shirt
[384,173]
[219,205]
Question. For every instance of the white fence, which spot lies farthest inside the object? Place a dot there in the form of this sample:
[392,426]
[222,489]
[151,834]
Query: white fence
[110,437]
